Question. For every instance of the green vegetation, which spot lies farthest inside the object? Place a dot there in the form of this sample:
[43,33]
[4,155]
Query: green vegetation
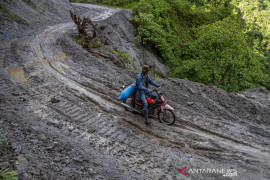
[156,77]
[126,57]
[13,17]
[96,44]
[5,174]
[225,43]
[5,151]
[4,144]
[28,157]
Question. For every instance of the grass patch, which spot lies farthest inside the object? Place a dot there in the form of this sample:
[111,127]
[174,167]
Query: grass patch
[6,154]
[5,174]
[79,41]
[28,157]
[126,57]
[96,44]
[156,76]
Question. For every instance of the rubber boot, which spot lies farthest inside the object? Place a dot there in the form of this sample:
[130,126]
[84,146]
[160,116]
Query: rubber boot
[145,113]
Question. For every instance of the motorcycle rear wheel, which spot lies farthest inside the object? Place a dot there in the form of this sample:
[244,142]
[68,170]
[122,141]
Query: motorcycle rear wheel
[166,117]
[129,103]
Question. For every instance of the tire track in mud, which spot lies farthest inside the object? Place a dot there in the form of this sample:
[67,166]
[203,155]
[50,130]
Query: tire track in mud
[106,129]
[225,146]
[106,134]
[205,133]
[74,117]
[94,95]
[119,137]
[230,146]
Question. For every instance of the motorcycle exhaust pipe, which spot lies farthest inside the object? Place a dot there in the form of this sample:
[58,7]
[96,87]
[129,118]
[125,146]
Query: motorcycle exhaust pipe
[130,107]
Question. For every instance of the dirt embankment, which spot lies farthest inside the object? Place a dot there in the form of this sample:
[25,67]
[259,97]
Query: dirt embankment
[58,106]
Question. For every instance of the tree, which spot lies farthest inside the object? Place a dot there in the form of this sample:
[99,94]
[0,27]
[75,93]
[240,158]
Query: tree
[224,57]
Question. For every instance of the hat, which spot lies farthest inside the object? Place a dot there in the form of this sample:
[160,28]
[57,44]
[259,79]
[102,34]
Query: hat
[145,68]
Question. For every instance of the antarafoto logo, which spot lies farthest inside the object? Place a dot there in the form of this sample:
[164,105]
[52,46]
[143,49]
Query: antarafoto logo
[181,170]
[225,172]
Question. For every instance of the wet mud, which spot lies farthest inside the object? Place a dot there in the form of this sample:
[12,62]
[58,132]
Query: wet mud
[58,104]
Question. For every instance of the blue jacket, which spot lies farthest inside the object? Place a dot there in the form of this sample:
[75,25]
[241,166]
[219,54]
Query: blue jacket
[139,84]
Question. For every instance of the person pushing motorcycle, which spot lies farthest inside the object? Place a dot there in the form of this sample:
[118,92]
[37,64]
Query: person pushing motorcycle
[142,91]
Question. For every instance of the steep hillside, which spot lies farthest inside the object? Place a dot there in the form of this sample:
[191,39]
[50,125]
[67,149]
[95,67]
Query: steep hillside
[58,106]
[23,17]
[116,34]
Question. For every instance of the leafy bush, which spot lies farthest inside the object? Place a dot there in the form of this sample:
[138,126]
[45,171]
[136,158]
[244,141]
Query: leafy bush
[204,42]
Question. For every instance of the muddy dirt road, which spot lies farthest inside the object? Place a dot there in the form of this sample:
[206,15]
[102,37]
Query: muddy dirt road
[58,104]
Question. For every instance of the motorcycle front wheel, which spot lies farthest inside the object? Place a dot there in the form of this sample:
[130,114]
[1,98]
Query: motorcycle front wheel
[166,117]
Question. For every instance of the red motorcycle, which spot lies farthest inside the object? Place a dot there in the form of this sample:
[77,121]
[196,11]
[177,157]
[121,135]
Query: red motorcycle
[157,107]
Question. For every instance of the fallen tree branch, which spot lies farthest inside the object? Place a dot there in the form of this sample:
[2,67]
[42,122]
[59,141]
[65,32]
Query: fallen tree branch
[100,54]
[86,28]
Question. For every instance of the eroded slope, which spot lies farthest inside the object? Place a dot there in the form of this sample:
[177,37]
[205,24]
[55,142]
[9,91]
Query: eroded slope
[58,103]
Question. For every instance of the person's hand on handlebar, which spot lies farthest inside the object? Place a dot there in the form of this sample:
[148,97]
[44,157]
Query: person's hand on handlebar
[160,85]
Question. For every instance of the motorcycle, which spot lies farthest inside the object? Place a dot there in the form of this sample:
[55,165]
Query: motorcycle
[157,107]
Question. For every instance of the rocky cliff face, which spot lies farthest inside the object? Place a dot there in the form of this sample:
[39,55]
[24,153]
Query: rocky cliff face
[58,105]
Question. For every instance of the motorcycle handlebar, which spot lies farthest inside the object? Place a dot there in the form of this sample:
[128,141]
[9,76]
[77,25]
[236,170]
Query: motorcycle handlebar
[158,90]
